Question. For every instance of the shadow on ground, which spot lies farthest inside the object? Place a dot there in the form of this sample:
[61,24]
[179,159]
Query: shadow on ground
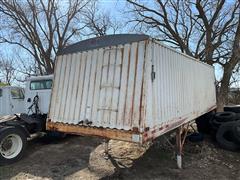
[83,158]
[52,158]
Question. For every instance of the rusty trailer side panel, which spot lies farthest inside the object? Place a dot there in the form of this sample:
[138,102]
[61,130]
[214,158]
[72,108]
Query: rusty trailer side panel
[102,86]
[131,88]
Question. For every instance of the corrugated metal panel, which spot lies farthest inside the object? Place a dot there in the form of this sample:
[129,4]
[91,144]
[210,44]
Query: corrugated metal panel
[101,86]
[183,88]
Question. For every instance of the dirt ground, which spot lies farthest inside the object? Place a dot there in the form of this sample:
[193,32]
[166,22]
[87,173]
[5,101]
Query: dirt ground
[78,157]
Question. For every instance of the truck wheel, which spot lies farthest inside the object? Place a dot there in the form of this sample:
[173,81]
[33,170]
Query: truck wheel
[13,142]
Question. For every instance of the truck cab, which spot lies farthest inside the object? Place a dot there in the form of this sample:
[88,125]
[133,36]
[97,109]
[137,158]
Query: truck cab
[39,86]
[11,100]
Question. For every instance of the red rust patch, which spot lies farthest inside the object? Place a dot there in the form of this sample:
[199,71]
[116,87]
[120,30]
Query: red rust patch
[135,129]
[161,128]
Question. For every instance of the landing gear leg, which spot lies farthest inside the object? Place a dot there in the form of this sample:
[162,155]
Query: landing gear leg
[181,135]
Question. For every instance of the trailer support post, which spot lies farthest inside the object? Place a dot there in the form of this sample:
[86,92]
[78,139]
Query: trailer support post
[179,149]
[180,140]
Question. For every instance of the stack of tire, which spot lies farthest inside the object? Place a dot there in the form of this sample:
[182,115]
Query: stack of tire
[223,126]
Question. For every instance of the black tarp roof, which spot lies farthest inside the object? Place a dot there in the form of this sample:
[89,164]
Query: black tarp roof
[103,41]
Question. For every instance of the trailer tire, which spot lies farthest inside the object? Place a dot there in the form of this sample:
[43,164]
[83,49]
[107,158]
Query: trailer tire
[13,142]
[225,137]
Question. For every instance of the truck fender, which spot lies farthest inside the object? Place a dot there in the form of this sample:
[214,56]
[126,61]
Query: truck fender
[17,126]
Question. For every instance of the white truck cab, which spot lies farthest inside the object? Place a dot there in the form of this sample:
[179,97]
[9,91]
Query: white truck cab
[40,86]
[16,100]
[11,100]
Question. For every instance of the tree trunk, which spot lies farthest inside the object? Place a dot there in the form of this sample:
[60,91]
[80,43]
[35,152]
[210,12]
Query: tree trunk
[222,94]
[49,65]
[228,69]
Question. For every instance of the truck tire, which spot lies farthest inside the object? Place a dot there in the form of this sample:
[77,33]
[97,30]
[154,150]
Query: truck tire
[225,137]
[236,131]
[225,116]
[235,109]
[221,118]
[214,124]
[13,143]
[203,123]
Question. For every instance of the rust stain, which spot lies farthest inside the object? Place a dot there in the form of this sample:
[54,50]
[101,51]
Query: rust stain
[135,129]
[154,131]
[163,129]
[91,131]
[134,86]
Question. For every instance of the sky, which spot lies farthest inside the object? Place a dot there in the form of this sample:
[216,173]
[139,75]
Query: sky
[116,6]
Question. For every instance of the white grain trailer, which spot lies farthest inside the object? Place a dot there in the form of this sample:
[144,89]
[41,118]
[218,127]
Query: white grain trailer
[128,87]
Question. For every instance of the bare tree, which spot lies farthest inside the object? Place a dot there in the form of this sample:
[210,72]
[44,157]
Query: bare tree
[204,29]
[229,66]
[99,22]
[41,28]
[8,72]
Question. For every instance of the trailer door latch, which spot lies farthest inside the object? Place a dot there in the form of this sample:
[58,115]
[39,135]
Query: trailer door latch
[153,74]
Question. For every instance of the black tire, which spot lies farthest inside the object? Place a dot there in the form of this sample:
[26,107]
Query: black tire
[203,123]
[225,116]
[195,137]
[235,109]
[215,124]
[221,118]
[225,137]
[236,131]
[237,116]
[20,136]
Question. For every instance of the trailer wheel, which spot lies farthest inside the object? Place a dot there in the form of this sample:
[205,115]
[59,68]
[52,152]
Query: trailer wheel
[13,142]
